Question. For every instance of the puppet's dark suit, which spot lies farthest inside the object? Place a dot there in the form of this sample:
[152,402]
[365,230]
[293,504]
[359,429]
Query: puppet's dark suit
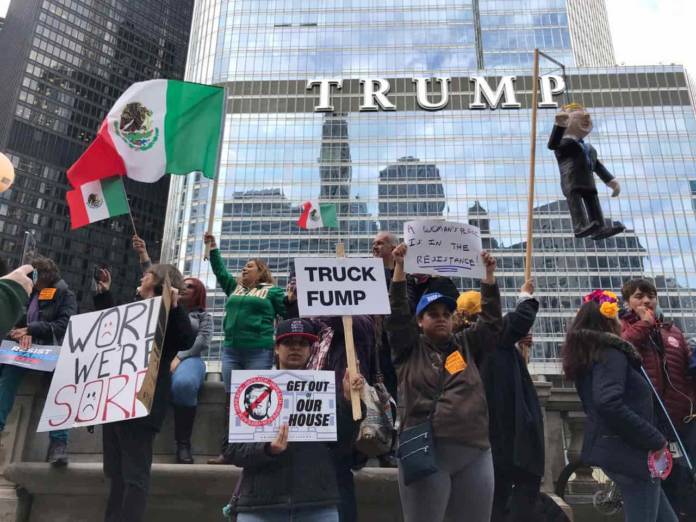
[577,162]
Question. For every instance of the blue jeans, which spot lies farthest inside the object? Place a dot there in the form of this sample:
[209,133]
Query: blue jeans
[244,359]
[187,379]
[321,514]
[10,380]
[644,500]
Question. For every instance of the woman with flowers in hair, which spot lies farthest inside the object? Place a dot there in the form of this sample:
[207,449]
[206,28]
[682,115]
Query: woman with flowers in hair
[620,433]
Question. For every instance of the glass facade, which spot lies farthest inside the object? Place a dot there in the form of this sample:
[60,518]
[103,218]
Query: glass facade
[66,62]
[389,166]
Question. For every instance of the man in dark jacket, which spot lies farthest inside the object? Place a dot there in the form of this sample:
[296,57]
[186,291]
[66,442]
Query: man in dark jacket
[577,162]
[516,421]
[50,307]
[666,360]
[382,246]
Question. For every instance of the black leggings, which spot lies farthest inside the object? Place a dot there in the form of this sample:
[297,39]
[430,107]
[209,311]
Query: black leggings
[127,463]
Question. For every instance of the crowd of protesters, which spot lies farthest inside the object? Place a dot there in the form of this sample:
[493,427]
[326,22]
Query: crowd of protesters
[469,434]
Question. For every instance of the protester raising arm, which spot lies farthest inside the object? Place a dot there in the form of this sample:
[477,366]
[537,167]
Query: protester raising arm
[226,281]
[485,332]
[141,249]
[517,323]
[401,325]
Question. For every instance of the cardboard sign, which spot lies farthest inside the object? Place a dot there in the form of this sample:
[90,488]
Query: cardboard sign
[443,248]
[103,364]
[341,286]
[263,400]
[37,357]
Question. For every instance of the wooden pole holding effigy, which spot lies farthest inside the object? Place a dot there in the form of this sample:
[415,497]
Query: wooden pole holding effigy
[532,169]
[213,198]
[352,366]
[532,172]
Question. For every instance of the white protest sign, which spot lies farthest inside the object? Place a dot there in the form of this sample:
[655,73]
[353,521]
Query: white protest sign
[443,248]
[102,366]
[341,286]
[263,400]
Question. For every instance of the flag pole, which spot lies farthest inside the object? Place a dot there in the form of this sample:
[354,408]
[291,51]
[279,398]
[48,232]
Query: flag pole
[213,199]
[532,171]
[130,215]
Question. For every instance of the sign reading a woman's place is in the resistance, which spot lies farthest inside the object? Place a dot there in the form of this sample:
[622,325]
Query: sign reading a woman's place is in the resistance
[263,400]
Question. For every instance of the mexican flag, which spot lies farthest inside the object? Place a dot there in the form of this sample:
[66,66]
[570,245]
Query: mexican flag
[155,128]
[97,200]
[316,215]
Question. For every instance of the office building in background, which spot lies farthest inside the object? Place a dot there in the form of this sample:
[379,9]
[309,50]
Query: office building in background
[64,64]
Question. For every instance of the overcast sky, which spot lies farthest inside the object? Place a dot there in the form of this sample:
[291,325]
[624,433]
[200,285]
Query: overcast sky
[644,31]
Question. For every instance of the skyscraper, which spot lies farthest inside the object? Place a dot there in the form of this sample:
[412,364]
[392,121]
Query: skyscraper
[291,68]
[409,188]
[65,62]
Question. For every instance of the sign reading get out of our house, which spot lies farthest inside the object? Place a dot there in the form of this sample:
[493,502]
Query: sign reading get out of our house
[433,94]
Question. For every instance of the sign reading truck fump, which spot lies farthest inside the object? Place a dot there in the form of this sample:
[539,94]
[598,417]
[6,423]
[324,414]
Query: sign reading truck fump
[104,370]
[341,286]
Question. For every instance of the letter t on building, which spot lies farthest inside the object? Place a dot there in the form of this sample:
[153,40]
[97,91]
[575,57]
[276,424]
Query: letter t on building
[324,93]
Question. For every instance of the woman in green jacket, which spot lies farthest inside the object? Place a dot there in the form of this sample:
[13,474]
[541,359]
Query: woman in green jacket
[253,304]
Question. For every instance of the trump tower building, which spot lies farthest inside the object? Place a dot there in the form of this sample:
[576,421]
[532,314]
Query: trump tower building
[403,109]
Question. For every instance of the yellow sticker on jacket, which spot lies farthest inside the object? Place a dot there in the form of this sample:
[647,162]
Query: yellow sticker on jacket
[47,294]
[455,363]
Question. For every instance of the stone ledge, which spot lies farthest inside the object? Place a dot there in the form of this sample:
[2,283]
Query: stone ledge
[77,493]
[87,478]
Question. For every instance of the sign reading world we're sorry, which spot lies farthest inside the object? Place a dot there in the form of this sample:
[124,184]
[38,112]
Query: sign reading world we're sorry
[443,248]
[103,370]
[341,286]
[263,400]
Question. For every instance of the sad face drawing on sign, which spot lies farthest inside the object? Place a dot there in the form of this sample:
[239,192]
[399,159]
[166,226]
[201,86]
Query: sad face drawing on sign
[90,401]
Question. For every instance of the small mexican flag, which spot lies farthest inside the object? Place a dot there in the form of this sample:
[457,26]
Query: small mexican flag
[315,215]
[97,200]
[155,128]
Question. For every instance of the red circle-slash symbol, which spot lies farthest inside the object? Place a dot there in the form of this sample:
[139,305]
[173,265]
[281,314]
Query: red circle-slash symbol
[271,393]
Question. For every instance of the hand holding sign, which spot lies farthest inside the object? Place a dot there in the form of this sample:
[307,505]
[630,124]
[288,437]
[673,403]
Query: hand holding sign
[528,286]
[490,263]
[18,333]
[280,443]
[355,384]
[399,253]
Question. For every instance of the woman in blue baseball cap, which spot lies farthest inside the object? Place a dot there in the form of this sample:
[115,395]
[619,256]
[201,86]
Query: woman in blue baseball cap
[445,463]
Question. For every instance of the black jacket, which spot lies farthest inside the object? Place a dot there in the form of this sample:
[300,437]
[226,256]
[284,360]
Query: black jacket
[576,172]
[179,336]
[302,476]
[54,315]
[620,428]
[516,421]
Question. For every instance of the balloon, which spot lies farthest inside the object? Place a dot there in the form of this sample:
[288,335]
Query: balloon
[7,174]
